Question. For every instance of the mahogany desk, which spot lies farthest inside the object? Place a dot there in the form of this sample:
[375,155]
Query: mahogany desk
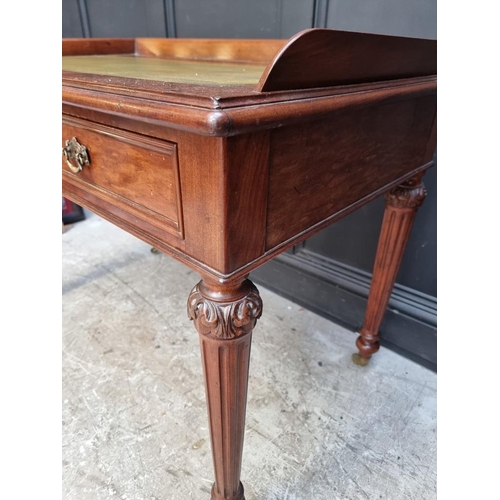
[224,153]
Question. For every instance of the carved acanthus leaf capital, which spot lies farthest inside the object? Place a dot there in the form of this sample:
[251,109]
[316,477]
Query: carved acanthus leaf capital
[225,320]
[409,194]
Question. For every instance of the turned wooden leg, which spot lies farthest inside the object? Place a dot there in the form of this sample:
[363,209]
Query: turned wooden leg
[401,206]
[225,315]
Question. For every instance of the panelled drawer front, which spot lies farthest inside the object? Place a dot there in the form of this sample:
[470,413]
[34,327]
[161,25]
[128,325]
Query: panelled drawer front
[140,174]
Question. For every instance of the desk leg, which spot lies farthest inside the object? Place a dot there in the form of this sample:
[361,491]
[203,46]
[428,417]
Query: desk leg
[401,206]
[225,316]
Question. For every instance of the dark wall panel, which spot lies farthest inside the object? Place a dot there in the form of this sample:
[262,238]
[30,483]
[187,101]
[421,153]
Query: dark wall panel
[414,18]
[126,18]
[71,24]
[242,19]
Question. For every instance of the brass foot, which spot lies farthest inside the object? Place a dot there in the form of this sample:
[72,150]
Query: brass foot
[240,494]
[359,360]
[154,250]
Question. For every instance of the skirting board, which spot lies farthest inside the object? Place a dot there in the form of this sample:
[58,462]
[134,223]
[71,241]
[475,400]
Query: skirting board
[339,293]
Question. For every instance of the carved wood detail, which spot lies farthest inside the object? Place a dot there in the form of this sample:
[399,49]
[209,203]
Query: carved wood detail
[402,203]
[224,320]
[409,194]
[225,315]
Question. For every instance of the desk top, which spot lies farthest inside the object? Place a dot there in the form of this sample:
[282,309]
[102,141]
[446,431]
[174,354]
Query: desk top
[229,87]
[218,74]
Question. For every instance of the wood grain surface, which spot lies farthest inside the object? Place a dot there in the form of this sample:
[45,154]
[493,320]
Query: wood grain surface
[340,160]
[211,49]
[324,58]
[88,46]
[135,170]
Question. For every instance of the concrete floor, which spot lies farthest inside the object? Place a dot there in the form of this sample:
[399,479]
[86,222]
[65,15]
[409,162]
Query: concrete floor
[134,418]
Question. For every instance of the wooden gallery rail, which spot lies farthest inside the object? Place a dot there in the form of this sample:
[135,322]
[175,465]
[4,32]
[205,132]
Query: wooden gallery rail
[224,153]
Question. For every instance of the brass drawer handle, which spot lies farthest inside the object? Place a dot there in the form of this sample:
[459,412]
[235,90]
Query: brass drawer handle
[74,151]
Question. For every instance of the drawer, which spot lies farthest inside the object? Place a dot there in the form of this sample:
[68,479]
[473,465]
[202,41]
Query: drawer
[140,174]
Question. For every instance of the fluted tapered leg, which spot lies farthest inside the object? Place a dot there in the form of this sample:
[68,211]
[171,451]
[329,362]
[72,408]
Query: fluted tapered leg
[401,206]
[225,316]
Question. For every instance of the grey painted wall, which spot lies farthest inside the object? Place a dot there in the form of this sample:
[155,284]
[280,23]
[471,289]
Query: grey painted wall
[414,18]
[245,18]
[348,247]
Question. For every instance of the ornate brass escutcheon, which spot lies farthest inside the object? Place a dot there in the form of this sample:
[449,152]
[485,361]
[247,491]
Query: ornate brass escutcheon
[76,155]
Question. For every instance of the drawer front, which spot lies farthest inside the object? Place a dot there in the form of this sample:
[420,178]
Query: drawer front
[137,173]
